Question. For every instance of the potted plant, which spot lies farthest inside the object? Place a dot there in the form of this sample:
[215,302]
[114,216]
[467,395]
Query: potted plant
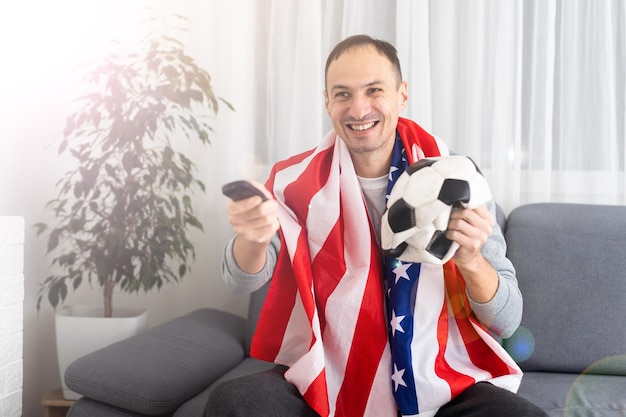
[123,212]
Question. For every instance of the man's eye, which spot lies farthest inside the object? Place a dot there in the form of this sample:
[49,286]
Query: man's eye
[341,94]
[374,90]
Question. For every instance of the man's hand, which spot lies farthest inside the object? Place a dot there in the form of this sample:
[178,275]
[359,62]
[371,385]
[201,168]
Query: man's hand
[253,219]
[471,228]
[255,222]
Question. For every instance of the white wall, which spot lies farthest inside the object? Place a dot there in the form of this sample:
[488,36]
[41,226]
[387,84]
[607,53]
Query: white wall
[36,92]
[11,305]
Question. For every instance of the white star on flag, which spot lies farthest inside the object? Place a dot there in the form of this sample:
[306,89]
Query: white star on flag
[400,271]
[397,377]
[391,171]
[395,323]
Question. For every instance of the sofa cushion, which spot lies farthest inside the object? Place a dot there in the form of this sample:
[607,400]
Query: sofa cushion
[86,407]
[156,371]
[572,273]
[547,390]
[560,394]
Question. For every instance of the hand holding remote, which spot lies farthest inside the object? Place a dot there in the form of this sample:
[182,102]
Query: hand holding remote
[256,222]
[240,190]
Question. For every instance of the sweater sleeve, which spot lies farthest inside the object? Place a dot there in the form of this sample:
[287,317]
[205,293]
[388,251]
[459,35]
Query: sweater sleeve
[503,313]
[240,282]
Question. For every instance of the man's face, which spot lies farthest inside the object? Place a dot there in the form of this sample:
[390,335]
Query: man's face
[363,99]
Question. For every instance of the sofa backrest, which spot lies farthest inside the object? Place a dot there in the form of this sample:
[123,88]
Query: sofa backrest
[571,267]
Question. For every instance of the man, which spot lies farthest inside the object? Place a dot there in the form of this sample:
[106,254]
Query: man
[348,344]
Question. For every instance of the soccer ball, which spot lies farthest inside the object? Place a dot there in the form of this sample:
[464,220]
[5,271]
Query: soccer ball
[420,204]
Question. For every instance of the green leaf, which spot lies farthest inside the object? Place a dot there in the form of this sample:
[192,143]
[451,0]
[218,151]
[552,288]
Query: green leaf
[128,161]
[69,126]
[53,295]
[63,146]
[76,283]
[62,291]
[196,95]
[67,260]
[76,224]
[41,227]
[193,220]
[78,190]
[230,106]
[53,240]
[109,169]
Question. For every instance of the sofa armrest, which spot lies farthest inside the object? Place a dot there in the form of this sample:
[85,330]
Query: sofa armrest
[158,370]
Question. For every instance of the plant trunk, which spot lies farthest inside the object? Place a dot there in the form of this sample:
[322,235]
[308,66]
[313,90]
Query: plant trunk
[108,297]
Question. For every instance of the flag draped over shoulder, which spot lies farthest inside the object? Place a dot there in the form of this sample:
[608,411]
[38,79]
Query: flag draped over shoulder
[324,315]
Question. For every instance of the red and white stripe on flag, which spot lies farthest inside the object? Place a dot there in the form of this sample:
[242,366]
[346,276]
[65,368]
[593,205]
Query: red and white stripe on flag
[341,366]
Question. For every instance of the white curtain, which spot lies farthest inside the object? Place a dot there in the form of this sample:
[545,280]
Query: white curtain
[533,90]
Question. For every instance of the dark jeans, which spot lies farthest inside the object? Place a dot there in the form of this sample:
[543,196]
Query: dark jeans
[485,399]
[268,394]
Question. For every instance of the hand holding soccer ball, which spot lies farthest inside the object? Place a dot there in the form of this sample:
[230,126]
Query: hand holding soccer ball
[420,204]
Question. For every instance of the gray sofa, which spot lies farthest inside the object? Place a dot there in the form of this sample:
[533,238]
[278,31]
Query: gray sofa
[571,267]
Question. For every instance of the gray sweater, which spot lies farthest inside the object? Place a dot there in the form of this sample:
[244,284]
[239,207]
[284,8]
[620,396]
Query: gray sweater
[501,315]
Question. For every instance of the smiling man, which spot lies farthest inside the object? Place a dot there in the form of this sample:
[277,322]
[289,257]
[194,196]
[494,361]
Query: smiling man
[364,96]
[354,333]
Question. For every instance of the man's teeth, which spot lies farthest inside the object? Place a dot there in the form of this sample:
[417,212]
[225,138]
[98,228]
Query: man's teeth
[362,127]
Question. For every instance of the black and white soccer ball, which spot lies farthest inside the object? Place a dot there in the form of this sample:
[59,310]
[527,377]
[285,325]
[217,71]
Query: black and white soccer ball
[420,204]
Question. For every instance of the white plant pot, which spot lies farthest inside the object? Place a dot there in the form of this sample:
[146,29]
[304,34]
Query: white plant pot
[82,329]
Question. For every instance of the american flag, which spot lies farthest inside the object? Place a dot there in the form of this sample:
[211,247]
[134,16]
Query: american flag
[324,315]
[438,347]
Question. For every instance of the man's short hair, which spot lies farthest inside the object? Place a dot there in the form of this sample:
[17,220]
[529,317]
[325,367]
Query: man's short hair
[352,42]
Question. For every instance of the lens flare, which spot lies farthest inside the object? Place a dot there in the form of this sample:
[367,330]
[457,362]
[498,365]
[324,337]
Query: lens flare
[596,389]
[521,345]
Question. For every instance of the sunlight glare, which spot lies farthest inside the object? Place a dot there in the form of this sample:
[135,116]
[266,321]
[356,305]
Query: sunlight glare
[43,40]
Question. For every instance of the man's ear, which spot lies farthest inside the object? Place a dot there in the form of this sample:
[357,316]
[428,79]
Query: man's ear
[404,94]
[326,100]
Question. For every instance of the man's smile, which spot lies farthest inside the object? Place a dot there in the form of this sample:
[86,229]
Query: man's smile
[359,127]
